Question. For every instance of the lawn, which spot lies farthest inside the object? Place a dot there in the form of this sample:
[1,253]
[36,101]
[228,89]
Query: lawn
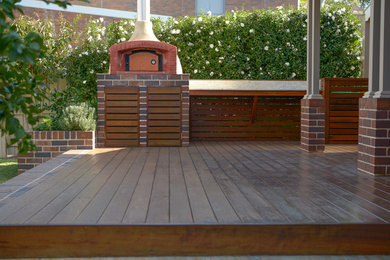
[8,169]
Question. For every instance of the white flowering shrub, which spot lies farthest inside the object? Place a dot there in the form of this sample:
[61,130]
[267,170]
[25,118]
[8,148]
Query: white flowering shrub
[262,44]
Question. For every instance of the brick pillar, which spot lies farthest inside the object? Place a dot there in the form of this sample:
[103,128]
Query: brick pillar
[374,136]
[143,127]
[100,129]
[185,117]
[313,125]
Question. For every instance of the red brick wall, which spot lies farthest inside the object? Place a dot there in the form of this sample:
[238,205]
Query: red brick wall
[53,143]
[257,4]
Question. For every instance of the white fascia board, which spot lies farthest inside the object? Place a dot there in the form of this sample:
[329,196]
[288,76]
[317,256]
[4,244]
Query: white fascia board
[85,10]
[368,13]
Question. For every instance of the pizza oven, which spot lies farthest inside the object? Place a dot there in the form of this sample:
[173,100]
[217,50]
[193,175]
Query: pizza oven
[144,99]
[143,57]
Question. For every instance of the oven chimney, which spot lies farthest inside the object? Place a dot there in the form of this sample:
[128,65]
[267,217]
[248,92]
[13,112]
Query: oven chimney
[143,28]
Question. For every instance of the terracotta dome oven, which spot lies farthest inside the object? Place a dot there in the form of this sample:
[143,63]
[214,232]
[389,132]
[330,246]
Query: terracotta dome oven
[143,57]
[144,100]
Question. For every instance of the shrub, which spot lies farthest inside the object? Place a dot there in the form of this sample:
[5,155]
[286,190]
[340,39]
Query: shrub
[78,117]
[45,125]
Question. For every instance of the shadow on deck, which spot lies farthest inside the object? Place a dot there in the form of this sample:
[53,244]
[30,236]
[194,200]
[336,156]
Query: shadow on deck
[212,198]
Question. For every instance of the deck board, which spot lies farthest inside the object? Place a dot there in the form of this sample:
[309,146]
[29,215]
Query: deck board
[86,188]
[202,211]
[119,203]
[179,205]
[139,204]
[206,183]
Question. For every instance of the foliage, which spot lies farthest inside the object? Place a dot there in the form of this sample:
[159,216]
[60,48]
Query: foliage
[78,117]
[262,44]
[21,84]
[56,40]
[8,169]
[47,124]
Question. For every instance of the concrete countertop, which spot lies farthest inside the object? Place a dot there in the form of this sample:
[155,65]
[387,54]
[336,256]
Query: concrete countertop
[245,85]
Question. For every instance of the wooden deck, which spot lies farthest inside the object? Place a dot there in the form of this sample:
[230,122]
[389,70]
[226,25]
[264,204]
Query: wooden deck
[244,188]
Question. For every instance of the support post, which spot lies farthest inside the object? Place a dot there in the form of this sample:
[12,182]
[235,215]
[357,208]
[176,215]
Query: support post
[373,63]
[374,111]
[313,104]
[309,48]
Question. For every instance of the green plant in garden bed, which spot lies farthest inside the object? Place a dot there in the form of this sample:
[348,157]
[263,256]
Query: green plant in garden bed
[79,117]
[8,169]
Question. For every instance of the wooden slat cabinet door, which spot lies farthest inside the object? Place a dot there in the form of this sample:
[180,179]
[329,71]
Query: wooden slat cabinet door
[122,116]
[164,116]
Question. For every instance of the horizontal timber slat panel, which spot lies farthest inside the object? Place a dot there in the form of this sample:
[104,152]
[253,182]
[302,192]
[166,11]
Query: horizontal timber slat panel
[229,115]
[122,143]
[245,123]
[162,110]
[344,119]
[343,137]
[282,136]
[120,96]
[346,95]
[164,142]
[335,131]
[121,90]
[344,113]
[117,136]
[343,125]
[163,97]
[160,90]
[163,123]
[164,103]
[163,135]
[344,101]
[122,110]
[347,89]
[246,129]
[122,116]
[163,129]
[122,103]
[342,109]
[164,116]
[122,123]
[121,129]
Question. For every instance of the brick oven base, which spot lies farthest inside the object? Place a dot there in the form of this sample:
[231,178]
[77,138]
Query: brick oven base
[143,110]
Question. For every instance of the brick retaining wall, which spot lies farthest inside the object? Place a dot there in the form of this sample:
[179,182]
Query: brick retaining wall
[53,143]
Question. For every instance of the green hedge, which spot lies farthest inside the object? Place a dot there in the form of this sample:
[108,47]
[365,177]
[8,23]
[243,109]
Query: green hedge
[262,44]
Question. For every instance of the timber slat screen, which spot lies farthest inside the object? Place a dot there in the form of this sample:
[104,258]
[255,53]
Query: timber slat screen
[122,116]
[241,116]
[164,116]
[342,109]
